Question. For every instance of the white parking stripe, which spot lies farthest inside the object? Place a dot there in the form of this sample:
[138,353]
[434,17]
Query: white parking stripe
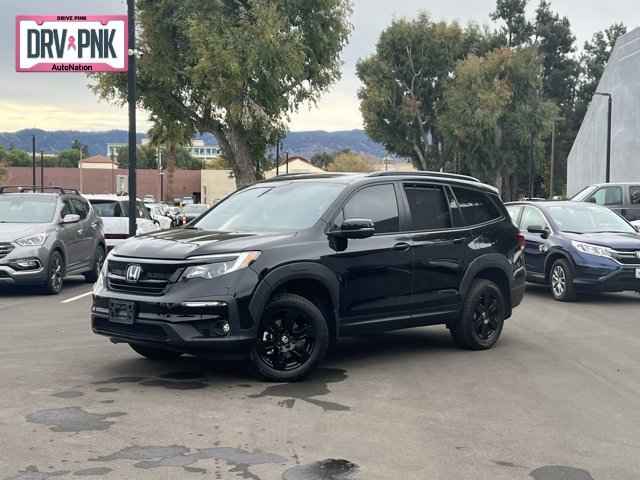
[73,299]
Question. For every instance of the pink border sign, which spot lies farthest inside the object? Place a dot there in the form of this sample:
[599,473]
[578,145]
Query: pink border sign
[74,67]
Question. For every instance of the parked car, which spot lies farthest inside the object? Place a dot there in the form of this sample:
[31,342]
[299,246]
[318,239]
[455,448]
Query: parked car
[47,234]
[114,211]
[160,213]
[578,247]
[186,201]
[280,269]
[149,199]
[622,198]
[191,212]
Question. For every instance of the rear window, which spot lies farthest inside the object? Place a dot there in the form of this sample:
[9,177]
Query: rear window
[107,208]
[429,207]
[476,206]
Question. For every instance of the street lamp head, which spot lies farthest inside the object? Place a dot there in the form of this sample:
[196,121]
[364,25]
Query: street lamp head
[604,94]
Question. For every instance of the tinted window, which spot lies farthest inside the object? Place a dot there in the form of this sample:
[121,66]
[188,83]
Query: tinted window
[533,217]
[476,206]
[377,203]
[80,207]
[429,208]
[67,208]
[580,218]
[608,196]
[634,193]
[107,208]
[514,213]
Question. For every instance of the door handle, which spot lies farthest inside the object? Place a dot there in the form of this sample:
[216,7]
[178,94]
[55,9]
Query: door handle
[402,246]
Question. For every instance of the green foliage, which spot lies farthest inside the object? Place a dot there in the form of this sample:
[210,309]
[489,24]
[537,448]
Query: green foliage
[76,145]
[349,162]
[15,158]
[146,157]
[322,160]
[516,30]
[69,158]
[236,69]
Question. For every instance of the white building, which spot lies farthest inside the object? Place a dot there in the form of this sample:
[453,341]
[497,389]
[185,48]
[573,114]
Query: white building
[198,149]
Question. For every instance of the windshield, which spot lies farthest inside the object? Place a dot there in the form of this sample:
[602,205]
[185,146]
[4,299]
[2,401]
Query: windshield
[582,194]
[584,218]
[27,208]
[278,208]
[116,209]
[195,209]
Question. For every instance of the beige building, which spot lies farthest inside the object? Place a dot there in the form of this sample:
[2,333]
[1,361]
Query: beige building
[98,162]
[216,184]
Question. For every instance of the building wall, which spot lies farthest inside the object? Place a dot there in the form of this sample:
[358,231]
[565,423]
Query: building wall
[586,164]
[216,184]
[186,182]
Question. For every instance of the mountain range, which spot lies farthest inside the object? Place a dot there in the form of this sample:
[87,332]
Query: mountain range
[305,144]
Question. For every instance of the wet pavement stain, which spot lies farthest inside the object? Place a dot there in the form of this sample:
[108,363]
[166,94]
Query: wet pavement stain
[174,385]
[195,470]
[93,472]
[32,473]
[330,469]
[315,386]
[502,463]
[68,394]
[557,472]
[73,419]
[180,456]
[107,390]
[119,380]
[184,375]
[107,401]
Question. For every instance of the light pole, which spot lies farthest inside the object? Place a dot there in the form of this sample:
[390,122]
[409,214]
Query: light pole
[610,104]
[131,93]
[33,145]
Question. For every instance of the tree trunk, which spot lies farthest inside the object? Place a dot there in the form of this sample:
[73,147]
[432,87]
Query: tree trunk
[240,157]
[171,170]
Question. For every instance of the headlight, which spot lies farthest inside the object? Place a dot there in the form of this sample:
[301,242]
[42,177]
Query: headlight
[220,265]
[32,241]
[103,275]
[592,249]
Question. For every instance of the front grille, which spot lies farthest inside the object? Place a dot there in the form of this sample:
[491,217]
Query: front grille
[154,280]
[627,257]
[139,330]
[5,249]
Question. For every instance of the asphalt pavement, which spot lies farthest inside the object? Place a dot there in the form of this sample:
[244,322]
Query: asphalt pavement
[557,399]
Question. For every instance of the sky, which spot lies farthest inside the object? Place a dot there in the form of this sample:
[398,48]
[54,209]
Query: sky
[63,101]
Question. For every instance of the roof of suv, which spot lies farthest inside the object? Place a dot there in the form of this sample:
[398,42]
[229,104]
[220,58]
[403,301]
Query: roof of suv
[39,190]
[350,178]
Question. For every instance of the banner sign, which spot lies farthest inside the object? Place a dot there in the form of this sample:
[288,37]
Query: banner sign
[72,43]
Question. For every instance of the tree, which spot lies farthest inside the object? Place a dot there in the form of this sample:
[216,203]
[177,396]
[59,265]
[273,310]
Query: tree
[404,82]
[3,165]
[322,160]
[517,29]
[17,158]
[234,68]
[69,158]
[170,135]
[349,162]
[495,116]
[146,157]
[76,145]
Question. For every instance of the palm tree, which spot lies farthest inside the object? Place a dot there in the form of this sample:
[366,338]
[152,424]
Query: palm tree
[171,135]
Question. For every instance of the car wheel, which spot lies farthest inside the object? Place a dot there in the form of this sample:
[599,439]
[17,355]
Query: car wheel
[292,340]
[561,281]
[482,319]
[92,276]
[157,354]
[55,274]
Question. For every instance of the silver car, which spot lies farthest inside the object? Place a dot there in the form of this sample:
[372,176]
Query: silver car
[47,234]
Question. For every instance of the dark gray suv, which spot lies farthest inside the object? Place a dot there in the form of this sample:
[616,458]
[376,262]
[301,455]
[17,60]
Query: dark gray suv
[47,234]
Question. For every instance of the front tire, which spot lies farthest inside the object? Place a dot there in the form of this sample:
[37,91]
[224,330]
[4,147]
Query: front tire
[55,274]
[482,320]
[155,354]
[561,281]
[98,261]
[292,340]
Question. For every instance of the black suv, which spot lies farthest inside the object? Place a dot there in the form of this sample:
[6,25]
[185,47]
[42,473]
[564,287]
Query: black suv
[281,269]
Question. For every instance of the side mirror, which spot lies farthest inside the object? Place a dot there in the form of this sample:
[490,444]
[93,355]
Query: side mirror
[355,228]
[539,230]
[70,218]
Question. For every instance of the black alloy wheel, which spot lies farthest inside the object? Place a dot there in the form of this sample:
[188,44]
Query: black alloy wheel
[55,274]
[292,339]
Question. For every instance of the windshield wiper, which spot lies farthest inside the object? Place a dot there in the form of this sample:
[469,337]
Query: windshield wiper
[569,231]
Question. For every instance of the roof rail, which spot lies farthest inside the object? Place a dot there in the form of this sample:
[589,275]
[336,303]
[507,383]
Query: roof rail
[37,189]
[392,173]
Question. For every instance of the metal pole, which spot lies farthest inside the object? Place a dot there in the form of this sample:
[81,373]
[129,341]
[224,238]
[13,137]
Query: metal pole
[531,168]
[33,145]
[161,186]
[608,174]
[553,159]
[278,157]
[41,170]
[131,89]
[287,171]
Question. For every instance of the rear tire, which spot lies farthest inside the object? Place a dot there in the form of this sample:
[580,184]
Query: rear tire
[55,274]
[292,340]
[98,261]
[155,354]
[561,281]
[482,320]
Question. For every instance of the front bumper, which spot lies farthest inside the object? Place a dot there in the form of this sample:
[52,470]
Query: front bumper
[11,274]
[605,275]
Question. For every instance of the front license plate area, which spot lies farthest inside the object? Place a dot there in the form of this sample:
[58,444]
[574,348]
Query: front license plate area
[122,312]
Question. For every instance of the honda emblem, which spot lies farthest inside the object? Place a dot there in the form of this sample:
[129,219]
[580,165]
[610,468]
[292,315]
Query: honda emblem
[133,273]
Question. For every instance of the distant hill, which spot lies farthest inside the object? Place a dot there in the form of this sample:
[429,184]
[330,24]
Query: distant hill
[305,144]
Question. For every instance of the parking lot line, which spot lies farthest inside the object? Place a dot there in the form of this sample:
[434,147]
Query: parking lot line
[73,299]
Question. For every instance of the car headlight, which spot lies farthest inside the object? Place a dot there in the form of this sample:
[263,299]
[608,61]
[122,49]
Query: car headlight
[103,275]
[32,241]
[219,265]
[592,249]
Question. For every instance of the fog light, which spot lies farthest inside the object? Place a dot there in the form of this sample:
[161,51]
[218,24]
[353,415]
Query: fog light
[226,328]
[27,264]
[222,328]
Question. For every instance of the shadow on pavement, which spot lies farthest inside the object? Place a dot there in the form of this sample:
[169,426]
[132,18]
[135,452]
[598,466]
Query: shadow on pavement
[71,284]
[625,298]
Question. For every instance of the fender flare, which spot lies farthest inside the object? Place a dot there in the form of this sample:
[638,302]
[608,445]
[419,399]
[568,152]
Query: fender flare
[294,271]
[491,260]
[555,252]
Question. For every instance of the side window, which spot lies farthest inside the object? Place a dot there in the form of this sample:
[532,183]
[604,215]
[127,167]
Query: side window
[514,213]
[533,217]
[429,207]
[476,206]
[80,207]
[67,208]
[634,193]
[608,196]
[377,203]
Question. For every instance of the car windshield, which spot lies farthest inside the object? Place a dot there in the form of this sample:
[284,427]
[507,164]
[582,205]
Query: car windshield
[278,208]
[195,209]
[583,194]
[28,208]
[585,218]
[116,209]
